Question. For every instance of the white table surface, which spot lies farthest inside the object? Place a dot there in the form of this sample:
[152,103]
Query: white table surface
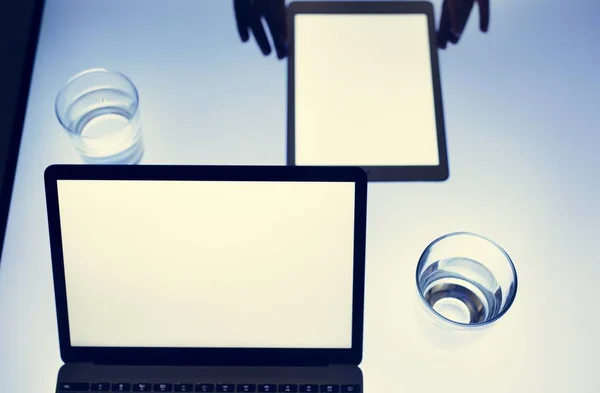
[521,108]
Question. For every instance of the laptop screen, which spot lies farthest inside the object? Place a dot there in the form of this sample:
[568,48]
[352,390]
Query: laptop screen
[208,264]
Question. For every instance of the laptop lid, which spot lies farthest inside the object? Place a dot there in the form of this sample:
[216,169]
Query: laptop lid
[208,265]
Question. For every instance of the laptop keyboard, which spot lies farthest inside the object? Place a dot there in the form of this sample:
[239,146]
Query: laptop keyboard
[205,388]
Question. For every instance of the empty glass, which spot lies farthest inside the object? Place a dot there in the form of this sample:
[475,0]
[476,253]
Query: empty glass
[465,281]
[99,109]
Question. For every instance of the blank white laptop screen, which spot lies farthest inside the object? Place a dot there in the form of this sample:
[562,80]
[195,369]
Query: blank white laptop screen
[208,264]
[364,90]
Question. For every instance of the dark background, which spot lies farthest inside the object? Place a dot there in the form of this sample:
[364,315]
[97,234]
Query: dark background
[15,22]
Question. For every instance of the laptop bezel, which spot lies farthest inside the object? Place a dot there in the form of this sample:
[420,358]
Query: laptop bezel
[376,173]
[207,356]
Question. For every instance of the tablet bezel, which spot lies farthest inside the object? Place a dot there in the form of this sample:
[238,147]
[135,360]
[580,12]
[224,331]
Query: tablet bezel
[208,356]
[439,172]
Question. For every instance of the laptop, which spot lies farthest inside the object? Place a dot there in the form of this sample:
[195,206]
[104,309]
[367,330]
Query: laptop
[208,279]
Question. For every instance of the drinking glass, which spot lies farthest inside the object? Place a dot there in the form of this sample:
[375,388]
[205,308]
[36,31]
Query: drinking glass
[465,282]
[99,109]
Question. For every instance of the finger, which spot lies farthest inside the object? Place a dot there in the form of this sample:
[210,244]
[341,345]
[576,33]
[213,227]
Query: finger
[259,34]
[276,22]
[484,14]
[281,13]
[241,18]
[461,15]
[454,7]
[444,29]
[277,41]
[460,10]
[466,13]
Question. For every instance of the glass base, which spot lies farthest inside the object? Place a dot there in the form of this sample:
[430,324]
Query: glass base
[131,156]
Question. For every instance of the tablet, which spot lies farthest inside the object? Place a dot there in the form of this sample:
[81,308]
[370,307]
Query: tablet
[364,89]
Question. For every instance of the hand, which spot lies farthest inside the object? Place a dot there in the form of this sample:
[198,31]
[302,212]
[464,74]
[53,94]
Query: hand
[249,15]
[455,14]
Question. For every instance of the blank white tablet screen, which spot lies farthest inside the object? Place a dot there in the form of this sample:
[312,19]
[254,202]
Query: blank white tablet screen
[208,264]
[364,90]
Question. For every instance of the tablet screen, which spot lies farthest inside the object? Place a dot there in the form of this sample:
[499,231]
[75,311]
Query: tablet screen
[364,91]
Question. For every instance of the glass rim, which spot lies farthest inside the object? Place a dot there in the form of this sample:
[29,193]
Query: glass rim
[83,73]
[476,325]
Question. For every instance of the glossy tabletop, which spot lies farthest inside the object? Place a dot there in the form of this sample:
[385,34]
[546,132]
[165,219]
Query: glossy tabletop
[521,109]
